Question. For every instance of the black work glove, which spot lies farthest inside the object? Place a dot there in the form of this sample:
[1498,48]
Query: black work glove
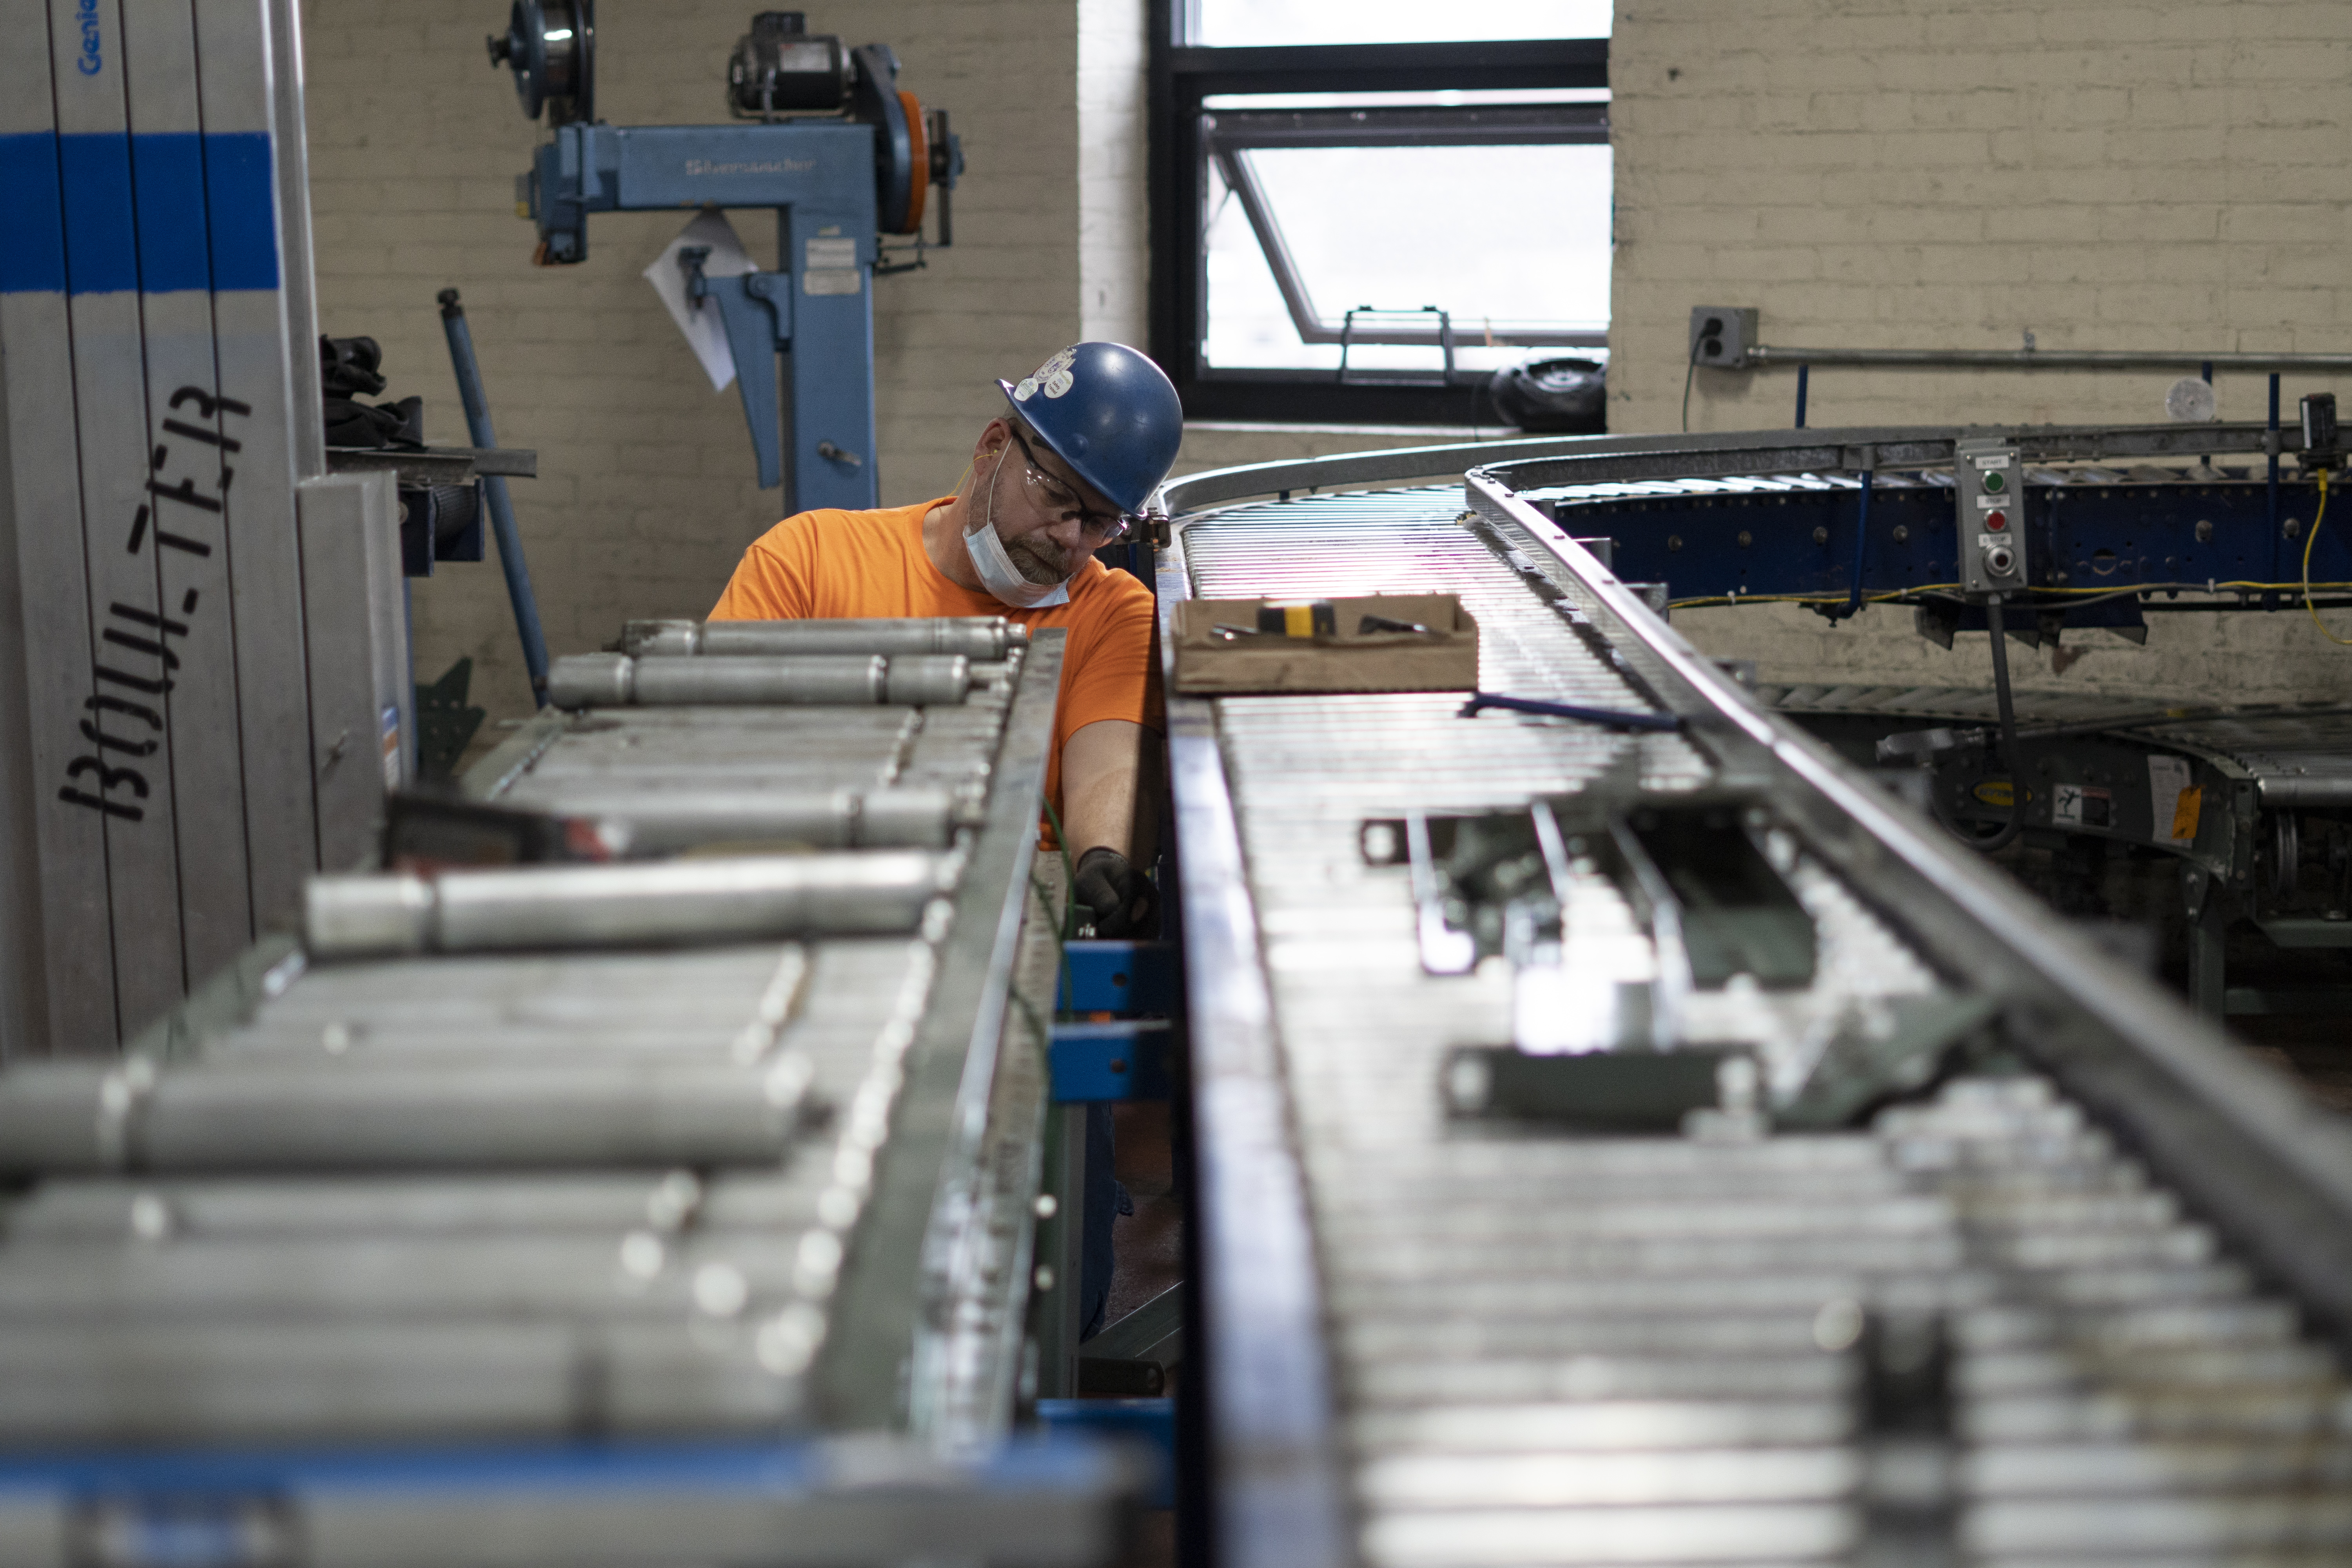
[1118,900]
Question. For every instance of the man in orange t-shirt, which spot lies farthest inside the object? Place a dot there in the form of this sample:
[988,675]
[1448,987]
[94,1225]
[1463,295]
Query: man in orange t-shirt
[1084,442]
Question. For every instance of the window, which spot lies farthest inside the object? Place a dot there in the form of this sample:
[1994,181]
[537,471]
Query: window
[1364,231]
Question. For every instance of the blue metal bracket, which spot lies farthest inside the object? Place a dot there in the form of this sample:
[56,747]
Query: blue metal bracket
[1126,977]
[1126,1061]
[757,311]
[1148,1423]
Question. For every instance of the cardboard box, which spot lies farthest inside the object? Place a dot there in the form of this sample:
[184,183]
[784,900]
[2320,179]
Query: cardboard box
[1350,660]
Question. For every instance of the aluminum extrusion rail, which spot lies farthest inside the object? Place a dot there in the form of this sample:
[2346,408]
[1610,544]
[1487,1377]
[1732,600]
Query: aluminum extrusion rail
[1430,1340]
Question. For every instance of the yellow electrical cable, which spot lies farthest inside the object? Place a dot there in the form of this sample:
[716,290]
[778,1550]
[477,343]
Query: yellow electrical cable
[2309,540]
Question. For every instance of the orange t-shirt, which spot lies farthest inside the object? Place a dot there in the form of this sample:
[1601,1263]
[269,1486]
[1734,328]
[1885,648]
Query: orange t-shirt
[846,565]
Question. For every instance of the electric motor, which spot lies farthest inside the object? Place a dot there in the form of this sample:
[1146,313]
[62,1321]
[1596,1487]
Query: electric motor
[780,66]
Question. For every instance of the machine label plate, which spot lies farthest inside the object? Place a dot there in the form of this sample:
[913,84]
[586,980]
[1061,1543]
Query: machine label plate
[820,253]
[2080,805]
[2173,804]
[833,282]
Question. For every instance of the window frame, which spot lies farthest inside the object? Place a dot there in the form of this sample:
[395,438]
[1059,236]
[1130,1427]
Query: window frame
[1181,77]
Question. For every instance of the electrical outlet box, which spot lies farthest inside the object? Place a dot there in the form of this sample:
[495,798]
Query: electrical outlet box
[1990,502]
[1721,335]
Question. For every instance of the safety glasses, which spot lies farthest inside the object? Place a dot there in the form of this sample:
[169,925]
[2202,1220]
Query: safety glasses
[1052,495]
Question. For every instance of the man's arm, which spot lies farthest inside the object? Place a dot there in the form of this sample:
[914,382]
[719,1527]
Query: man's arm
[1111,797]
[1110,817]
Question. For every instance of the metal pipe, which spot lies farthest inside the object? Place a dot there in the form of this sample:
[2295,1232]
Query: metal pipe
[2272,445]
[1764,356]
[226,1383]
[660,822]
[747,897]
[87,1118]
[604,1202]
[372,1278]
[977,638]
[617,681]
[494,489]
[1804,376]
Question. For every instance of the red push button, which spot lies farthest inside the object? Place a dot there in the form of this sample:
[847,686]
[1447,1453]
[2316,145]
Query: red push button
[1996,521]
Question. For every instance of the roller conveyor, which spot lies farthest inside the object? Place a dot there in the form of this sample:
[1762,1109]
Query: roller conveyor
[630,1182]
[2035,1311]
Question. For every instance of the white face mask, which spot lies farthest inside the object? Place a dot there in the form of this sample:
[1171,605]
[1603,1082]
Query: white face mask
[997,572]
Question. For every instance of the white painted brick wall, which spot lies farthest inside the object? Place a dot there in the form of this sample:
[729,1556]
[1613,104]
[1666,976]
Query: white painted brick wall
[1114,261]
[1887,173]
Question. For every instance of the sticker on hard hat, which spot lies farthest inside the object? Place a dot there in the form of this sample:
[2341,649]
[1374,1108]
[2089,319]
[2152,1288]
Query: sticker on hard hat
[1053,378]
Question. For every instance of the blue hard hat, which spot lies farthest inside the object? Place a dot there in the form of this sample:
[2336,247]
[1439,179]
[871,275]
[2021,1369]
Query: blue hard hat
[1109,412]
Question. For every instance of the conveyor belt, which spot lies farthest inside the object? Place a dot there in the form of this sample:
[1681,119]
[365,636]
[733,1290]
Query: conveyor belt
[1548,1348]
[2296,756]
[643,1192]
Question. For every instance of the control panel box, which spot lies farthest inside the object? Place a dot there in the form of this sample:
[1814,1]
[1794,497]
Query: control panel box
[1721,335]
[1990,502]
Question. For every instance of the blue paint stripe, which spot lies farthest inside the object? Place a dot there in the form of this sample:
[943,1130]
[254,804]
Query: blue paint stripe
[202,213]
[168,188]
[101,254]
[775,1468]
[243,203]
[32,215]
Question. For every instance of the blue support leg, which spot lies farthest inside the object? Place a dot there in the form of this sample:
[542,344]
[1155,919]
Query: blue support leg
[1860,543]
[494,490]
[1804,375]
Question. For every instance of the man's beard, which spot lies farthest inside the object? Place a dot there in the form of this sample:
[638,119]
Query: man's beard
[1038,561]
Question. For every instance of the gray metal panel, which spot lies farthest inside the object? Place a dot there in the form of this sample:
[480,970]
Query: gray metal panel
[187,436]
[894,1297]
[350,524]
[23,988]
[56,914]
[290,142]
[123,530]
[1275,1475]
[263,339]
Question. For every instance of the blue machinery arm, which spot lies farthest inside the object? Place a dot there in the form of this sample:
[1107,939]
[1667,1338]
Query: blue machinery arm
[817,308]
[832,144]
[757,312]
